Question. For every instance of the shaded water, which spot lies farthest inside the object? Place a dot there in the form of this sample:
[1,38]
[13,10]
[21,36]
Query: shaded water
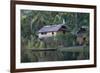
[30,55]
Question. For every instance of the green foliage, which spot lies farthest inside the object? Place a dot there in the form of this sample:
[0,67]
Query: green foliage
[65,39]
[70,38]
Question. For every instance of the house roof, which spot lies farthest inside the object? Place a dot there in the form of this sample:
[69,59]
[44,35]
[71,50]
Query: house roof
[51,28]
[81,30]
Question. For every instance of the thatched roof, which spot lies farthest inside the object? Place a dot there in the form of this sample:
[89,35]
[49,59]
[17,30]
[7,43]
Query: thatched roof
[52,28]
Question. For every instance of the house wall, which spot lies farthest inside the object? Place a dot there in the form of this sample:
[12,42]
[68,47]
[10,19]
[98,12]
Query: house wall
[80,40]
[48,34]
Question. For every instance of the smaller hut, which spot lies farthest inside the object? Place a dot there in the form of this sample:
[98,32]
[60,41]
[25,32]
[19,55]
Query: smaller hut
[81,35]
